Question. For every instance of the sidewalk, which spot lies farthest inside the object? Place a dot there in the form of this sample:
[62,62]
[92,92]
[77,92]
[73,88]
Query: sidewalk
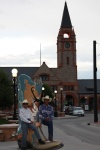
[70,142]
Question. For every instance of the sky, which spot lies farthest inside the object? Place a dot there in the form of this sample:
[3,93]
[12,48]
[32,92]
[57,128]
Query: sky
[26,26]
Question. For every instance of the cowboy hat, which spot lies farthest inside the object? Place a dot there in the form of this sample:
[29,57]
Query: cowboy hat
[46,97]
[25,101]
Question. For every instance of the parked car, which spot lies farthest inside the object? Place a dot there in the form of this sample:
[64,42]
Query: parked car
[78,111]
[66,109]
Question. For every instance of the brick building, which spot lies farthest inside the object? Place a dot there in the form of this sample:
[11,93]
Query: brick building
[65,75]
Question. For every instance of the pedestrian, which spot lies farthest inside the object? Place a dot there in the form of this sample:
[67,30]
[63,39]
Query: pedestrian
[26,123]
[46,114]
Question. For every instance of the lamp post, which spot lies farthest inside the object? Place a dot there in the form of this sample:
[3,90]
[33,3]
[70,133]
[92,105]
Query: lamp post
[14,75]
[61,89]
[43,91]
[42,95]
[55,111]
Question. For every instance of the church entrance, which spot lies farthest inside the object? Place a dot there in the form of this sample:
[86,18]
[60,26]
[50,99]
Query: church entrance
[68,103]
[69,100]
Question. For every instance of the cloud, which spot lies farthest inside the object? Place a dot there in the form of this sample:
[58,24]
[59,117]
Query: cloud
[26,60]
[27,23]
[85,66]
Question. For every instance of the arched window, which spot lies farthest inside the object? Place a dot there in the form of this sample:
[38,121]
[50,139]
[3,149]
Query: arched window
[66,35]
[67,60]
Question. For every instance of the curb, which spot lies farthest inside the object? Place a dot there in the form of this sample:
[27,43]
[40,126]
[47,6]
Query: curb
[66,117]
[95,124]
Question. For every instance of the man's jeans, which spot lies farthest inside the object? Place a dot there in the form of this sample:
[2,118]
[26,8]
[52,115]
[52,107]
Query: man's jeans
[50,128]
[25,126]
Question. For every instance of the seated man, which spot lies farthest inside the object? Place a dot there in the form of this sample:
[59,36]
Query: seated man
[26,123]
[46,114]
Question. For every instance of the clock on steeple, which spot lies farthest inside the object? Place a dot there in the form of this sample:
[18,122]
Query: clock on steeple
[67,44]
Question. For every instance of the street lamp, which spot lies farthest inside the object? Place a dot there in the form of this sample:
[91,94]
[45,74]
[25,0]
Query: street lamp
[55,111]
[43,91]
[14,75]
[61,89]
[42,95]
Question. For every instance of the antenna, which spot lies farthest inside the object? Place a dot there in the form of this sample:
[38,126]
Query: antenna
[40,54]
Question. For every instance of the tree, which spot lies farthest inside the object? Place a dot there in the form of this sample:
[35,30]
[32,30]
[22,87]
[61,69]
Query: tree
[47,91]
[6,91]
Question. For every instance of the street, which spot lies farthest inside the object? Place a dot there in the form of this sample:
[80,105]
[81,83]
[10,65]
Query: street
[81,128]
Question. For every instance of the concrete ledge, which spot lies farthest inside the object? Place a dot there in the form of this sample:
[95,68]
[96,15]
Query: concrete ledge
[7,131]
[1,135]
[61,114]
[13,121]
[2,115]
[9,126]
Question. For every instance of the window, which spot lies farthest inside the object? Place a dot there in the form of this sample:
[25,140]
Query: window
[68,88]
[71,87]
[66,35]
[53,88]
[64,88]
[44,77]
[67,61]
[89,88]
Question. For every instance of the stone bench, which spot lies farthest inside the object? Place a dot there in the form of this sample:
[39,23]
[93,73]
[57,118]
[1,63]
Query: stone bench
[1,135]
[6,132]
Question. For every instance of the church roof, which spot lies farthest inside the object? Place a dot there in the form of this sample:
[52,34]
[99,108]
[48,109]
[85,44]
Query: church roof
[66,21]
[87,86]
[21,70]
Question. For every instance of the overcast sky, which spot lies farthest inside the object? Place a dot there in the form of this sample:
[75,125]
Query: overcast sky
[24,24]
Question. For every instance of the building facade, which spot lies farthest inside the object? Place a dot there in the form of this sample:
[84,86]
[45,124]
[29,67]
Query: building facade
[65,75]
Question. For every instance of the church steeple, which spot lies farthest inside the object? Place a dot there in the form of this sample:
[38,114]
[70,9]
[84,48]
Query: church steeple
[66,21]
[66,48]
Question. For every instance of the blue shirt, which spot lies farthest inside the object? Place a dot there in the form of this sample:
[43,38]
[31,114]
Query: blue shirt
[46,112]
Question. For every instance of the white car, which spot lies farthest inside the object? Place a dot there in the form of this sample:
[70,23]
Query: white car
[78,111]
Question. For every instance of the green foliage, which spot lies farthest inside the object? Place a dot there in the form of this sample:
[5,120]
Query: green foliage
[47,90]
[6,91]
[4,121]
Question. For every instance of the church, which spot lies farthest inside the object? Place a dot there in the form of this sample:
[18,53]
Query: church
[63,79]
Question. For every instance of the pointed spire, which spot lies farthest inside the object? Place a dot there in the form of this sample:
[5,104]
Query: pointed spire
[66,22]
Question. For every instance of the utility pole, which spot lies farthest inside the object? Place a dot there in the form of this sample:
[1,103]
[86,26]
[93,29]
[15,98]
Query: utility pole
[95,83]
